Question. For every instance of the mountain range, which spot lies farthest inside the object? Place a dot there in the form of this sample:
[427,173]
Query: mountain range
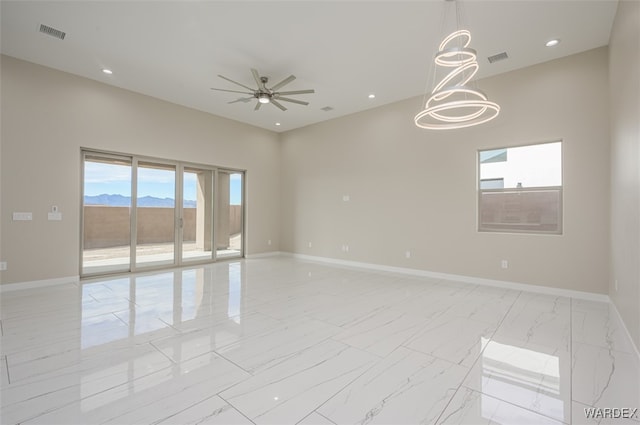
[125,201]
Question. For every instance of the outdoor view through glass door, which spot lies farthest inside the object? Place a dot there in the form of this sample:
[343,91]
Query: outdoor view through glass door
[106,241]
[140,214]
[229,235]
[197,214]
[155,214]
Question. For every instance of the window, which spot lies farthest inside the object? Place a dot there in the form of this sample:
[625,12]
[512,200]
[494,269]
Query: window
[520,189]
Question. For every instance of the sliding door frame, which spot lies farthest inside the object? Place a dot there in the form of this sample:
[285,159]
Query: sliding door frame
[178,260]
[84,153]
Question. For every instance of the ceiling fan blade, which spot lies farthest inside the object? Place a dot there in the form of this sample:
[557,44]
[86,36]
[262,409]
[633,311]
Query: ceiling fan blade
[278,105]
[297,92]
[286,99]
[232,91]
[256,77]
[234,82]
[284,82]
[258,105]
[242,99]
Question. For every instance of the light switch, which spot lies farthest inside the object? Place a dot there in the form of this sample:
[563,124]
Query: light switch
[22,216]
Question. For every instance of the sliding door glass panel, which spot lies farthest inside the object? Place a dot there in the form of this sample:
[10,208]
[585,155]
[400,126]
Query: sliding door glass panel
[106,210]
[155,214]
[197,214]
[229,235]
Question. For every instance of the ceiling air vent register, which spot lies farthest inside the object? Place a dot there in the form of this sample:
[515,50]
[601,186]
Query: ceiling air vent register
[498,57]
[52,32]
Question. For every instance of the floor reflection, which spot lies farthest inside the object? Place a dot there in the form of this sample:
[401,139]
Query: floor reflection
[536,378]
[130,307]
[183,346]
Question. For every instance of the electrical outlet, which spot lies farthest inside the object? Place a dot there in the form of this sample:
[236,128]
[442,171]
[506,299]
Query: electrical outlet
[407,254]
[309,244]
[504,264]
[346,198]
[22,216]
[3,265]
[269,242]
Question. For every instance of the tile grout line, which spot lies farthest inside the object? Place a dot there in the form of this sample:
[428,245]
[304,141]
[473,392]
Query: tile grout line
[317,413]
[233,363]
[322,416]
[234,407]
[6,365]
[338,391]
[477,359]
[162,353]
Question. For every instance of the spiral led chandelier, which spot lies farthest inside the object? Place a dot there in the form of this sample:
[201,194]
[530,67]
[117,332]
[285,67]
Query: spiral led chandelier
[452,103]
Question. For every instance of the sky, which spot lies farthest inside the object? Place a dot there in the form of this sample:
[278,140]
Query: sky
[113,179]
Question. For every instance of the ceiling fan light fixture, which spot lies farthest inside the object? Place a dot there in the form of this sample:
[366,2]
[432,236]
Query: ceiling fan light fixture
[263,98]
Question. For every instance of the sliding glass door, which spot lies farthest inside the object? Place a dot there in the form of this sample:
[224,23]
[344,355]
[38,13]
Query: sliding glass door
[106,218]
[140,213]
[197,214]
[155,214]
[230,235]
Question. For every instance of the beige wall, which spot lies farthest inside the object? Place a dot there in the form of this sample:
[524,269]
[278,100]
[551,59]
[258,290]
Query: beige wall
[47,116]
[624,72]
[382,161]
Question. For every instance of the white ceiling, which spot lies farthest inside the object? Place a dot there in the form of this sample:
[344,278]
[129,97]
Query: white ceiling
[345,50]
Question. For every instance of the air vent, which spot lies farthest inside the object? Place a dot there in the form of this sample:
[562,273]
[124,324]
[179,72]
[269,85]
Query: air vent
[327,109]
[52,32]
[499,57]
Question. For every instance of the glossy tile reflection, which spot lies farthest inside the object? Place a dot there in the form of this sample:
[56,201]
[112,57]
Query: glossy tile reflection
[281,341]
[530,376]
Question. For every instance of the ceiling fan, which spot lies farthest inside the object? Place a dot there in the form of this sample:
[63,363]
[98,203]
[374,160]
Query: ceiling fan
[266,94]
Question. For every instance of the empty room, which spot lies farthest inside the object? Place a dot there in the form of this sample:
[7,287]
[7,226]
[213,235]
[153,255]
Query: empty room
[320,212]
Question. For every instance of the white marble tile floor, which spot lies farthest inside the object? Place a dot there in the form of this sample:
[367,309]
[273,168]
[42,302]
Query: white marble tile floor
[283,341]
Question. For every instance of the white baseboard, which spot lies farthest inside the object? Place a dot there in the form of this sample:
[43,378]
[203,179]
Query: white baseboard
[264,255]
[8,287]
[589,296]
[626,331]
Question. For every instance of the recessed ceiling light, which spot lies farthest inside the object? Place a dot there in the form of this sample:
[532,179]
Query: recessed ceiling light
[372,96]
[277,123]
[107,71]
[552,43]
